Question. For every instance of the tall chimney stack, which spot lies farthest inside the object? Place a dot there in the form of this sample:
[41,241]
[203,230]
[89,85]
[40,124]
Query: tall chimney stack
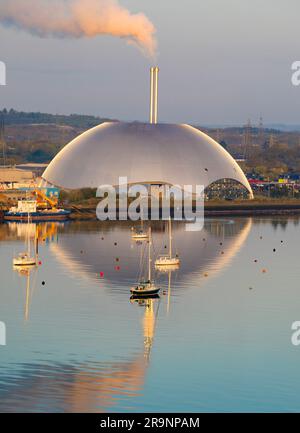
[153,93]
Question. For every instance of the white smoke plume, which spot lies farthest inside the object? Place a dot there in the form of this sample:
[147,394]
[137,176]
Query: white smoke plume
[80,18]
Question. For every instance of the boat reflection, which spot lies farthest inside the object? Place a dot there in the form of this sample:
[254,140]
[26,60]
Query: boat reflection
[93,380]
[110,256]
[25,272]
[86,387]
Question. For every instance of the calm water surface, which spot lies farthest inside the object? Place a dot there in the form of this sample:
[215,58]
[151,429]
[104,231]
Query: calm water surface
[217,339]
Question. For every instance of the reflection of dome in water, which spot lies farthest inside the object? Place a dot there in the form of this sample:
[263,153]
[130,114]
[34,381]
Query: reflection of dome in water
[145,153]
[87,254]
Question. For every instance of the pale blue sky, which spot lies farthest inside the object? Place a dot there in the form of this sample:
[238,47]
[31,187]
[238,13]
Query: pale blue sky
[221,62]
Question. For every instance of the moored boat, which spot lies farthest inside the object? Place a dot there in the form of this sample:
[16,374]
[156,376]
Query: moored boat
[140,234]
[168,261]
[25,207]
[146,288]
[25,259]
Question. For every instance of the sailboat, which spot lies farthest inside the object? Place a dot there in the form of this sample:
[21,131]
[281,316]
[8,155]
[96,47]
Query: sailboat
[167,260]
[25,259]
[146,288]
[140,234]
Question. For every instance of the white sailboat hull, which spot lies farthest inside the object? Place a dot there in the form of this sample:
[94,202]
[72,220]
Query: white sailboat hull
[24,261]
[167,261]
[139,236]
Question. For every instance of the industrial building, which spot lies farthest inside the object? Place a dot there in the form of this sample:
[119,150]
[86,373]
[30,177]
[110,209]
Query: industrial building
[11,177]
[146,153]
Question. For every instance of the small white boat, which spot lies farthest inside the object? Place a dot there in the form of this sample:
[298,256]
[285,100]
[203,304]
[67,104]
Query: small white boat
[140,234]
[146,288]
[166,260]
[25,259]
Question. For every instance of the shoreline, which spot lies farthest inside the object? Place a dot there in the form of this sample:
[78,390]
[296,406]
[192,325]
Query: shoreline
[221,209]
[88,212]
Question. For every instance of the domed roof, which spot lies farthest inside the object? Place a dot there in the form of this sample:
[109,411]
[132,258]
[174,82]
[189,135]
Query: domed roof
[144,153]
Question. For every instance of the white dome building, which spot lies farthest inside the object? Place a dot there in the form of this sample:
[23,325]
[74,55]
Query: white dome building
[146,153]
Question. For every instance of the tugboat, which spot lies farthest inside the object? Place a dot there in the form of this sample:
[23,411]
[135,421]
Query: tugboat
[146,288]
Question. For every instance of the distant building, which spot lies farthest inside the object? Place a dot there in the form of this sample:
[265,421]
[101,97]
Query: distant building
[36,168]
[11,177]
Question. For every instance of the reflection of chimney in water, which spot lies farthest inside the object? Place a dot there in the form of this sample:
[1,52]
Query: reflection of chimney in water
[153,94]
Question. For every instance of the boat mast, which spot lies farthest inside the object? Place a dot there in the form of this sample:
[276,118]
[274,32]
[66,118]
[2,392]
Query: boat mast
[36,243]
[149,254]
[170,238]
[28,235]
